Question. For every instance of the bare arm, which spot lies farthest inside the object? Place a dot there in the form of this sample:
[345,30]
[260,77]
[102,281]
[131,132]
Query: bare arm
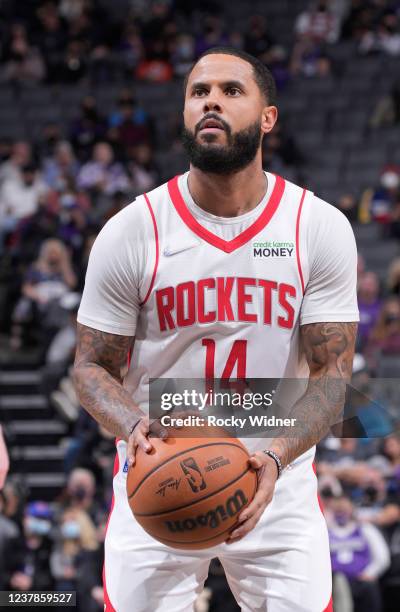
[99,369]
[329,349]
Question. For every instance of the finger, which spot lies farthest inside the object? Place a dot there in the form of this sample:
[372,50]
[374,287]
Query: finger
[242,530]
[158,429]
[256,462]
[131,451]
[260,500]
[143,442]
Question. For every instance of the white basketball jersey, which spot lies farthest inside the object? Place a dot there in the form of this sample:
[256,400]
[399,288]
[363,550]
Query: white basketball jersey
[202,306]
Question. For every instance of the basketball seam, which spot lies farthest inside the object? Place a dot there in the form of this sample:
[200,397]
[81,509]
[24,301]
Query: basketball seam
[197,501]
[178,455]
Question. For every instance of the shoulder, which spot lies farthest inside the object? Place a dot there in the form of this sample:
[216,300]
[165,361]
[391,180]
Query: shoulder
[326,223]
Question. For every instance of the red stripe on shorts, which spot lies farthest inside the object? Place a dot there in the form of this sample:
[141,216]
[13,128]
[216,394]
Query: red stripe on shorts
[329,607]
[108,605]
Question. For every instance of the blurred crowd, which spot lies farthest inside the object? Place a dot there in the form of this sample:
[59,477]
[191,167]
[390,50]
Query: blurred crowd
[56,194]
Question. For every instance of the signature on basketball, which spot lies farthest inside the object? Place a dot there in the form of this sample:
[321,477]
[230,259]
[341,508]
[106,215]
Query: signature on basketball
[171,483]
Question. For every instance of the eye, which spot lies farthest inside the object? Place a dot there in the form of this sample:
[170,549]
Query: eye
[233,91]
[199,92]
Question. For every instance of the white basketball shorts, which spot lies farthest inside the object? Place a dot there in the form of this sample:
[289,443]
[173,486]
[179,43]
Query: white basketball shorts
[283,565]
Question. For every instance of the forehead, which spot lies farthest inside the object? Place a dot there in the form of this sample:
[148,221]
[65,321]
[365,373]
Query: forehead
[222,68]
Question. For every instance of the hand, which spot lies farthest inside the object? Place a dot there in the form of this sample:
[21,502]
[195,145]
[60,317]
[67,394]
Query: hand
[267,475]
[139,437]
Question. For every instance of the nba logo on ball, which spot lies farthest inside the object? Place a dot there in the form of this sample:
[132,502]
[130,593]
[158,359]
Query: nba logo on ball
[193,474]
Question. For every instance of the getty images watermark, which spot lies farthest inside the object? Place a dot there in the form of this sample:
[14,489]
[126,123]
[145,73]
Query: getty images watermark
[264,407]
[191,399]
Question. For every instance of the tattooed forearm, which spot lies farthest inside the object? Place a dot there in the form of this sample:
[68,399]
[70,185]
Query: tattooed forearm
[100,366]
[329,349]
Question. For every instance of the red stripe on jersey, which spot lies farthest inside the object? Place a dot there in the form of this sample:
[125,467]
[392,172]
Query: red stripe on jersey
[297,240]
[226,245]
[329,607]
[157,249]
[108,607]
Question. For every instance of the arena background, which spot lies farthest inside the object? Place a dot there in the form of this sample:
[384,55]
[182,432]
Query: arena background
[90,116]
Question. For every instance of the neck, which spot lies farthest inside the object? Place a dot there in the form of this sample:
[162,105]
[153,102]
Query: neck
[228,195]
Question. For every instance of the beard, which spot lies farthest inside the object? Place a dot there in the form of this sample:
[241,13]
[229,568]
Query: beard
[238,153]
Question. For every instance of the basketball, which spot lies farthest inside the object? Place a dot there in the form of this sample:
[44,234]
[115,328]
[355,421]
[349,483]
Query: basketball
[188,492]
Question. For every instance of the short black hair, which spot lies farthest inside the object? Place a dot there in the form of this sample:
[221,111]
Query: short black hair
[262,75]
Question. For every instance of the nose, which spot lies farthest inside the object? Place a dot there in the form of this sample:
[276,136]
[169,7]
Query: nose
[211,103]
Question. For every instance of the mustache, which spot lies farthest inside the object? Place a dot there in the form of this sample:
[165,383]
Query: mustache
[216,117]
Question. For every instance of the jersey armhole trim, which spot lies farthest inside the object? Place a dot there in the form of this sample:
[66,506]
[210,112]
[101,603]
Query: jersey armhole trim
[298,240]
[157,250]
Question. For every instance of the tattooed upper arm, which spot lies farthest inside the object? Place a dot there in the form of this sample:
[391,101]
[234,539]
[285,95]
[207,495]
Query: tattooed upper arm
[109,351]
[329,348]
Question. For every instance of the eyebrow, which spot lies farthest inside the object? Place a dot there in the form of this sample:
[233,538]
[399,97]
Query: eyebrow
[224,84]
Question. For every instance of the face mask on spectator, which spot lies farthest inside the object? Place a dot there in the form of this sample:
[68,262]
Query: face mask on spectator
[70,530]
[79,493]
[342,518]
[37,526]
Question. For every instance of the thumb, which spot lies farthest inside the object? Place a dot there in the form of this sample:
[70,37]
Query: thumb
[256,462]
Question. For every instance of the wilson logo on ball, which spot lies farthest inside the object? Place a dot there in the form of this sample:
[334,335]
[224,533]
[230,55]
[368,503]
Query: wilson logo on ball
[193,474]
[212,518]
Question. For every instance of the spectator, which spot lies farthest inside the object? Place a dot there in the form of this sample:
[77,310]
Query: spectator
[61,168]
[73,65]
[21,155]
[142,169]
[393,277]
[384,338]
[258,40]
[33,572]
[102,174]
[360,553]
[385,38]
[81,491]
[60,354]
[347,203]
[49,277]
[71,9]
[369,305]
[52,38]
[212,35]
[22,62]
[77,537]
[20,198]
[87,129]
[387,109]
[365,415]
[131,48]
[318,24]
[129,123]
[183,54]
[377,204]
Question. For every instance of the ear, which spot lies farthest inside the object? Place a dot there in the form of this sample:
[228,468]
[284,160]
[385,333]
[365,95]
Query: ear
[268,118]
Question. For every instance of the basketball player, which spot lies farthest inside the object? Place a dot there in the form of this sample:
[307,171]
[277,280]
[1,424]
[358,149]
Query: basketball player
[175,278]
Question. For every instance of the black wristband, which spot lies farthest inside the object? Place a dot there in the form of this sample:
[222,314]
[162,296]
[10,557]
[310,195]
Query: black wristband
[277,460]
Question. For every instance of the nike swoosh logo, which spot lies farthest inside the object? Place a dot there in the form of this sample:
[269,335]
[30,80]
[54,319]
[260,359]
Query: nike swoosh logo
[170,251]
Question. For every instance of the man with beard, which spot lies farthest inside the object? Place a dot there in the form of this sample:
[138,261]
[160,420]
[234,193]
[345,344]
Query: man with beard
[224,272]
